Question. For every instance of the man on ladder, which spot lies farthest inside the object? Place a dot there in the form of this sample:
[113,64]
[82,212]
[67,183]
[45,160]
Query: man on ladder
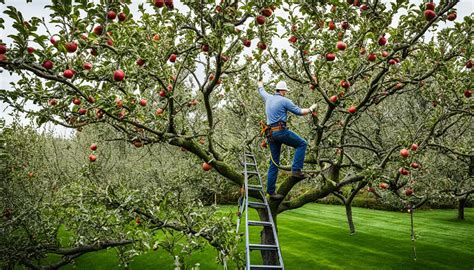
[277,133]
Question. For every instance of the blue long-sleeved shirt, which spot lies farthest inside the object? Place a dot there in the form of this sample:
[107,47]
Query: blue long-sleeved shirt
[277,106]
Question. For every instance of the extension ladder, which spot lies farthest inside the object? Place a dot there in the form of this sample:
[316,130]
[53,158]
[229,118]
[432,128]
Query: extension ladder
[251,173]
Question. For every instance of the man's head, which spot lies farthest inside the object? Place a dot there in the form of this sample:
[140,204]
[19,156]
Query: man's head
[281,88]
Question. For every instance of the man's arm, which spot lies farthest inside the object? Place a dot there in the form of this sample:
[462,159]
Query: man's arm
[290,106]
[262,91]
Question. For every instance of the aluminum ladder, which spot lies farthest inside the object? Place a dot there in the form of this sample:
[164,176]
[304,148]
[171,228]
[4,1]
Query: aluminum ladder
[251,173]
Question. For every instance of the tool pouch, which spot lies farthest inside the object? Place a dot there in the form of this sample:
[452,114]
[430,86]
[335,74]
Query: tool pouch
[266,131]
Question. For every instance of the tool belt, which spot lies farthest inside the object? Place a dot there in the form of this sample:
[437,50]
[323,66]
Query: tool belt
[267,130]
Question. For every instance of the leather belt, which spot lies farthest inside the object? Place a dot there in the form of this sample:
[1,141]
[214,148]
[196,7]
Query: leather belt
[277,128]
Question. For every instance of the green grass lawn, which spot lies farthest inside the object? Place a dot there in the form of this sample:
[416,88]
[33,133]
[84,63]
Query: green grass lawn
[316,237]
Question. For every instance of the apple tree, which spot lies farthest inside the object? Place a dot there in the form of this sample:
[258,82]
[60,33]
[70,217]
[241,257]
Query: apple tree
[182,75]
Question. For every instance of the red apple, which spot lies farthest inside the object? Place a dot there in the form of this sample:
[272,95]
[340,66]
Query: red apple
[414,147]
[172,58]
[293,39]
[352,109]
[143,102]
[261,45]
[408,191]
[92,158]
[364,7]
[53,102]
[332,25]
[429,14]
[159,111]
[333,99]
[162,93]
[341,45]
[159,3]
[93,147]
[76,101]
[99,113]
[267,12]
[261,19]
[53,40]
[430,6]
[205,47]
[68,73]
[370,189]
[382,40]
[71,46]
[119,102]
[468,93]
[224,58]
[3,49]
[122,16]
[452,16]
[384,54]
[111,15]
[469,64]
[345,25]
[330,56]
[140,62]
[47,64]
[403,171]
[110,42]
[372,57]
[383,185]
[98,30]
[93,51]
[392,61]
[247,42]
[87,66]
[206,166]
[294,28]
[344,84]
[30,50]
[170,87]
[415,165]
[137,143]
[263,144]
[156,37]
[121,114]
[404,153]
[90,99]
[82,111]
[398,86]
[169,4]
[119,75]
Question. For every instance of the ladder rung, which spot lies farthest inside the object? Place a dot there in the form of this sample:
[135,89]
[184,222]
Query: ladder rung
[259,223]
[257,205]
[263,267]
[254,187]
[251,164]
[249,154]
[252,172]
[262,247]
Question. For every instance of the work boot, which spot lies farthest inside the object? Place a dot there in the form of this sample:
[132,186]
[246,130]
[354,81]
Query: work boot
[276,196]
[298,175]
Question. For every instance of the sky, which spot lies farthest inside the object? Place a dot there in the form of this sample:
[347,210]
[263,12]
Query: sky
[36,8]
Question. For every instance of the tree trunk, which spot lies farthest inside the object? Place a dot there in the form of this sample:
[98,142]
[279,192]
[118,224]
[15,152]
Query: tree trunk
[266,237]
[462,204]
[348,205]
